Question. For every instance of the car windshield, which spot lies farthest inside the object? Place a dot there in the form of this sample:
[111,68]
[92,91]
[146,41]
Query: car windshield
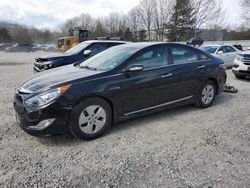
[109,59]
[209,49]
[78,48]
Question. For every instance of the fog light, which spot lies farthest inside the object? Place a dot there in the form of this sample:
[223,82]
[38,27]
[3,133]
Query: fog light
[42,125]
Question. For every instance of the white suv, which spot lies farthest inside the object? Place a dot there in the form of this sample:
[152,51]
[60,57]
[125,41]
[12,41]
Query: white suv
[241,67]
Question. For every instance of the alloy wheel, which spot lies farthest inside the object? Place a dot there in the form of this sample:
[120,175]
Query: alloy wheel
[92,119]
[208,94]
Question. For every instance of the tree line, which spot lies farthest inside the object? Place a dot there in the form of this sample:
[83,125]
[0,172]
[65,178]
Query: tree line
[151,20]
[16,33]
[155,20]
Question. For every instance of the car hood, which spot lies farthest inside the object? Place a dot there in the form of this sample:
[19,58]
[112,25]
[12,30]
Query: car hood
[54,57]
[56,77]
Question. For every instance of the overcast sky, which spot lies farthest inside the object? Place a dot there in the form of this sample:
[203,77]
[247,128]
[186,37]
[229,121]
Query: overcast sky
[52,13]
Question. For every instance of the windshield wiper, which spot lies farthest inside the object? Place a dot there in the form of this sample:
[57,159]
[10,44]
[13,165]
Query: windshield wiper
[89,68]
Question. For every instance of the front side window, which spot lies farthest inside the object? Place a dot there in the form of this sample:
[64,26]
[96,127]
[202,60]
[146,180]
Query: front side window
[152,58]
[183,55]
[222,49]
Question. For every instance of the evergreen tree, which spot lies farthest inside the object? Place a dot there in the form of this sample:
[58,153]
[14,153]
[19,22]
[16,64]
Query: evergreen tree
[4,35]
[181,21]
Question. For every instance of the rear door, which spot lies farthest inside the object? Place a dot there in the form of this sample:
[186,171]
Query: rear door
[224,55]
[189,67]
[231,54]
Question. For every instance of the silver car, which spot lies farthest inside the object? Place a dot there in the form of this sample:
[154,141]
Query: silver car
[227,53]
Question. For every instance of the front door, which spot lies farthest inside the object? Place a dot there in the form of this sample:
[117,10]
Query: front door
[152,86]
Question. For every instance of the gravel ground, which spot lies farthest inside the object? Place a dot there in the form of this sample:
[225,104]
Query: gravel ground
[183,147]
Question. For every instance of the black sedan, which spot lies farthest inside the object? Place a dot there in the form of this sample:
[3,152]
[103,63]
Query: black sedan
[78,53]
[120,83]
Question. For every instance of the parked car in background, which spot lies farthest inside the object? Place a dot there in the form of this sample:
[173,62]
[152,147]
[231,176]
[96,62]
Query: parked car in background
[49,48]
[4,46]
[241,67]
[122,82]
[227,53]
[21,48]
[78,53]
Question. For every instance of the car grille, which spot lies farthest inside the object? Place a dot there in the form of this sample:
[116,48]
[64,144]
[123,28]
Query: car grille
[246,59]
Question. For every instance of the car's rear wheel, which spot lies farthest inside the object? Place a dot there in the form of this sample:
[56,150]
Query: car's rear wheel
[90,118]
[206,95]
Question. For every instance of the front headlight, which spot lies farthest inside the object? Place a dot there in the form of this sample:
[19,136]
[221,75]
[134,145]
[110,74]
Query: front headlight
[46,97]
[47,64]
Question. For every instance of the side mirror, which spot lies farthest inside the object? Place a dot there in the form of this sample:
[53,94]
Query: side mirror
[87,52]
[220,52]
[134,68]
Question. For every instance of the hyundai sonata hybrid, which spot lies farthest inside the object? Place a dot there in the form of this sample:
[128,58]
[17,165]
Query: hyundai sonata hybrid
[120,83]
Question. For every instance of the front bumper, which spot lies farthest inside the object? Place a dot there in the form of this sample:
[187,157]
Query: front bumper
[31,122]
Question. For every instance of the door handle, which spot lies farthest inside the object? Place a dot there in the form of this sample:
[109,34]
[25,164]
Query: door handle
[201,67]
[167,75]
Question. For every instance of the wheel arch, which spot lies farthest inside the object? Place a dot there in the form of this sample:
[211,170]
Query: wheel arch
[106,99]
[215,83]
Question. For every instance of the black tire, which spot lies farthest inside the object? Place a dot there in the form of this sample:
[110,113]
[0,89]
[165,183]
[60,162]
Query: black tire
[199,101]
[81,110]
[239,76]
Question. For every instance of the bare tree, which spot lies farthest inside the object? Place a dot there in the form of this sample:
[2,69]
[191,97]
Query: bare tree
[115,23]
[134,21]
[204,12]
[161,16]
[147,11]
[245,5]
[219,20]
[84,21]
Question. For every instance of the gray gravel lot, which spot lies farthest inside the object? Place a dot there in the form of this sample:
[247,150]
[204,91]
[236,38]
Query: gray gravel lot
[183,147]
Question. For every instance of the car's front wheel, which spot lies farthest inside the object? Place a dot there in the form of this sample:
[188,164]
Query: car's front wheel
[90,118]
[206,95]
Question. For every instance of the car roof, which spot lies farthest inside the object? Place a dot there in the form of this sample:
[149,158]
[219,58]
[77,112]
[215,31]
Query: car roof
[141,45]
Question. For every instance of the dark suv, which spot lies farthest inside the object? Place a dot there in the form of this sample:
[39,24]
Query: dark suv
[79,53]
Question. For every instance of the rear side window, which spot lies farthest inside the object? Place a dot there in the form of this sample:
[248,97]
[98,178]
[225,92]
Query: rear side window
[223,49]
[153,57]
[229,49]
[183,55]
